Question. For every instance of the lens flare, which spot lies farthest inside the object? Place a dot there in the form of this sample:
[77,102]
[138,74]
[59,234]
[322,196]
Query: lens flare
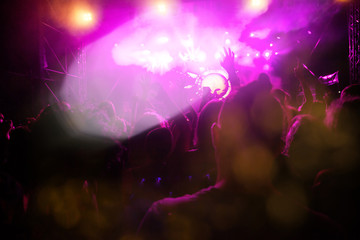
[257,6]
[162,8]
[216,82]
[82,18]
[267,54]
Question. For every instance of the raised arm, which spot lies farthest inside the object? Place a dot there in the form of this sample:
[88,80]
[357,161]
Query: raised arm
[228,63]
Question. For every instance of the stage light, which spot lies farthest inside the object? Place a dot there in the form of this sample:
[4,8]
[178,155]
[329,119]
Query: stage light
[216,82]
[159,61]
[267,54]
[271,45]
[227,41]
[162,8]
[258,5]
[276,53]
[248,54]
[82,18]
[266,67]
[261,34]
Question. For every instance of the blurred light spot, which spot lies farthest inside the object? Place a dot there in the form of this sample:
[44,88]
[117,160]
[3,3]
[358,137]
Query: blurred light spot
[271,44]
[257,6]
[188,43]
[201,56]
[217,55]
[227,41]
[216,82]
[266,67]
[282,210]
[82,18]
[309,32]
[162,8]
[267,54]
[254,167]
[261,34]
[163,40]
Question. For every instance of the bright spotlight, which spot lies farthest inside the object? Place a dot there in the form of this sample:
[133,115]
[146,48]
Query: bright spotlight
[227,41]
[162,8]
[267,54]
[87,17]
[216,82]
[258,5]
[83,18]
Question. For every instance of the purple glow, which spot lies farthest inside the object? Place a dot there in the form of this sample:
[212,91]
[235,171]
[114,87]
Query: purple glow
[267,54]
[141,53]
[266,67]
[261,34]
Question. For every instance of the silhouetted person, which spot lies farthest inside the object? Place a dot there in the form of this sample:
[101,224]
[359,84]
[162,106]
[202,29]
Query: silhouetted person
[242,204]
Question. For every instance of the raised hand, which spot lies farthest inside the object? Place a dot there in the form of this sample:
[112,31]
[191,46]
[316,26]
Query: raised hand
[228,62]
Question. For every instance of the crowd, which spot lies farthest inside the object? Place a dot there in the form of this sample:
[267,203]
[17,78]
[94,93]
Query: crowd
[250,166]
